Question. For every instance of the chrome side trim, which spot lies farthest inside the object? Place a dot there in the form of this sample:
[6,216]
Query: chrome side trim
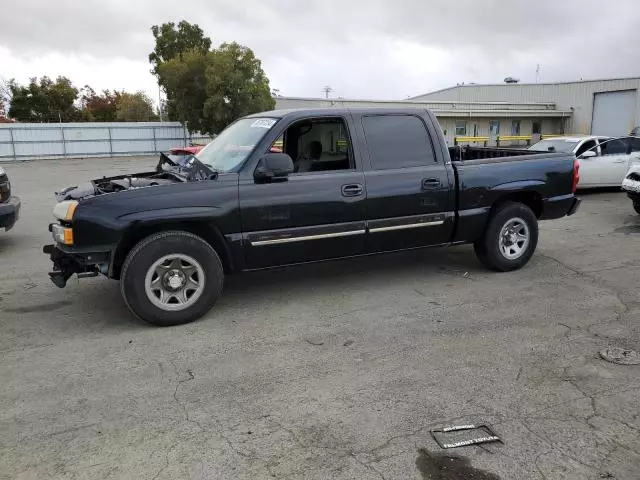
[322,236]
[402,227]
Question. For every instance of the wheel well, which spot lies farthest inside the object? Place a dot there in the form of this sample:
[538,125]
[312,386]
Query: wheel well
[209,233]
[533,200]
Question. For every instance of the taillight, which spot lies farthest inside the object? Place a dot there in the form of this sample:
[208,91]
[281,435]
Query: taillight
[576,175]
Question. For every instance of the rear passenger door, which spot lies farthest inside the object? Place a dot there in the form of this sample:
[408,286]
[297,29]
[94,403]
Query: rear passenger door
[410,201]
[615,161]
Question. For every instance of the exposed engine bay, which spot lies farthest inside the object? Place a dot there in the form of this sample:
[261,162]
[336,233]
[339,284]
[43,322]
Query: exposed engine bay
[170,169]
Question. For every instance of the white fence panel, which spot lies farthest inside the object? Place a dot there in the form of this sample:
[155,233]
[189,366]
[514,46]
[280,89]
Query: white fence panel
[23,141]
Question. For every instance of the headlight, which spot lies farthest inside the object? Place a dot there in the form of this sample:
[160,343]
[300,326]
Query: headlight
[62,234]
[2,171]
[65,210]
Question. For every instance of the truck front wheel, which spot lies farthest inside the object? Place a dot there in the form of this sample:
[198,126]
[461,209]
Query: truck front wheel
[171,278]
[510,238]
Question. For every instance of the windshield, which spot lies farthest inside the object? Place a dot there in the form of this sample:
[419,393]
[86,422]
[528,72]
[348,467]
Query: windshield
[555,145]
[229,149]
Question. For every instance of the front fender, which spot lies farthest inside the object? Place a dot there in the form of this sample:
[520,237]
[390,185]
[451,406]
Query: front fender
[170,214]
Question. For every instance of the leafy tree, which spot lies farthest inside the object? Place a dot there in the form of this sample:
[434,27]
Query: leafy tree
[44,100]
[207,89]
[134,107]
[184,83]
[236,86]
[5,96]
[98,107]
[173,42]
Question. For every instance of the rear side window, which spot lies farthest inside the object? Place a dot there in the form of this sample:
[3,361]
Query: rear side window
[614,147]
[397,141]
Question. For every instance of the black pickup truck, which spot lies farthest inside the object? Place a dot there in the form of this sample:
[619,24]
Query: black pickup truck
[294,186]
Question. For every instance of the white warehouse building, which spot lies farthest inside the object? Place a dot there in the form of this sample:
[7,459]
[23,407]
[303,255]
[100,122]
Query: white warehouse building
[597,107]
[516,112]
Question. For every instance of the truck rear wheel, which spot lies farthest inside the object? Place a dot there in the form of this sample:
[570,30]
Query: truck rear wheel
[510,238]
[171,278]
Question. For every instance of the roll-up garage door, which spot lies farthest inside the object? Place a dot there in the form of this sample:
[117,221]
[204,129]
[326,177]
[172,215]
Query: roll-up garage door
[613,113]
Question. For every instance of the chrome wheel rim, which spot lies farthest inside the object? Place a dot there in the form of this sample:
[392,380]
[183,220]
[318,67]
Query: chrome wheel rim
[514,238]
[174,282]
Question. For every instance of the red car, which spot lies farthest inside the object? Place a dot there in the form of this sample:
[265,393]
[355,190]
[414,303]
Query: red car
[186,150]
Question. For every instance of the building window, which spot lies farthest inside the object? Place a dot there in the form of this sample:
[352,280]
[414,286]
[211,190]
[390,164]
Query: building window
[461,129]
[494,128]
[515,127]
[536,128]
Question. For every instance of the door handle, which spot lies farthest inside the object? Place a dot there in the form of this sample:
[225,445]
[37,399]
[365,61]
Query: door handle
[430,183]
[352,190]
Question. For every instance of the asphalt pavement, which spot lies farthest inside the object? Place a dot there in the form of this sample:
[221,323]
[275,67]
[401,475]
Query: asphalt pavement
[329,371]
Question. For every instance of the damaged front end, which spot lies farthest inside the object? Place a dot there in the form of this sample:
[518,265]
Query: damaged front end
[71,257]
[170,169]
[67,262]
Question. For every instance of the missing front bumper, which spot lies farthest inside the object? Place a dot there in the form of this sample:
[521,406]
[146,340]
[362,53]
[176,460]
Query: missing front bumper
[68,263]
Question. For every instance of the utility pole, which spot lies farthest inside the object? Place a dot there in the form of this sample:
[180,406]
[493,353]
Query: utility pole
[159,102]
[537,72]
[327,89]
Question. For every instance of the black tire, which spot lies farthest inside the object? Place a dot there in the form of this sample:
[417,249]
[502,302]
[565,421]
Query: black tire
[636,207]
[148,251]
[488,248]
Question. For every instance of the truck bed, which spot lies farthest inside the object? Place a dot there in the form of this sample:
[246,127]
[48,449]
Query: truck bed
[467,153]
[519,174]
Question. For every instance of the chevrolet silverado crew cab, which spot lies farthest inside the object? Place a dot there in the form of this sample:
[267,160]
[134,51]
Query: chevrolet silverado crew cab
[341,183]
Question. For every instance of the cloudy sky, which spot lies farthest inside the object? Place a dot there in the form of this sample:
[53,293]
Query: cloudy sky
[385,49]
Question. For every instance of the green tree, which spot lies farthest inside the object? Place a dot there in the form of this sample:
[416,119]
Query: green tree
[235,86]
[134,107]
[173,42]
[98,107]
[207,89]
[184,83]
[44,100]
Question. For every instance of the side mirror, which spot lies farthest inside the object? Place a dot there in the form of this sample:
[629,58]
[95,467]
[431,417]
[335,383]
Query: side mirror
[273,167]
[588,154]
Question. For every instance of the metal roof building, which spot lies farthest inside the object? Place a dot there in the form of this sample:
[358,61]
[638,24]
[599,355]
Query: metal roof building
[599,107]
[461,118]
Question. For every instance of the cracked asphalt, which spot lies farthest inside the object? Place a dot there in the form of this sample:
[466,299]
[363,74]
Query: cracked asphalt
[329,371]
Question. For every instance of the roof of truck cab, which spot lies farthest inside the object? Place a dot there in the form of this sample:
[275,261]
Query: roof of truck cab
[306,112]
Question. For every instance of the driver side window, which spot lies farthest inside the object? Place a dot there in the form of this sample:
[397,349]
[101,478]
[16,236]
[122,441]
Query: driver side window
[588,145]
[316,145]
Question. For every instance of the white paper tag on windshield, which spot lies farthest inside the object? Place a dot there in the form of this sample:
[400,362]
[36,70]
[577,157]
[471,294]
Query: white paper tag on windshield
[263,123]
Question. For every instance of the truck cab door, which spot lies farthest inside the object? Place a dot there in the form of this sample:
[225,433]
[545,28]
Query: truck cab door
[410,190]
[317,212]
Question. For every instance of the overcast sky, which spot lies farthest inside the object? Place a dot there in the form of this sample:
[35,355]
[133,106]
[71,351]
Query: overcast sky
[385,49]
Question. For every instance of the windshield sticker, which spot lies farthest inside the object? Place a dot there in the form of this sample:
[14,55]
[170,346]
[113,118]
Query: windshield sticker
[263,123]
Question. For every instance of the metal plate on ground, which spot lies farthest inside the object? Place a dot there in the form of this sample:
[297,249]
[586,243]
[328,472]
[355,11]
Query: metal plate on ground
[621,356]
[463,435]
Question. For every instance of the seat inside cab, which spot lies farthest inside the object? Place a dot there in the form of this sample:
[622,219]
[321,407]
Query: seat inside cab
[316,145]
